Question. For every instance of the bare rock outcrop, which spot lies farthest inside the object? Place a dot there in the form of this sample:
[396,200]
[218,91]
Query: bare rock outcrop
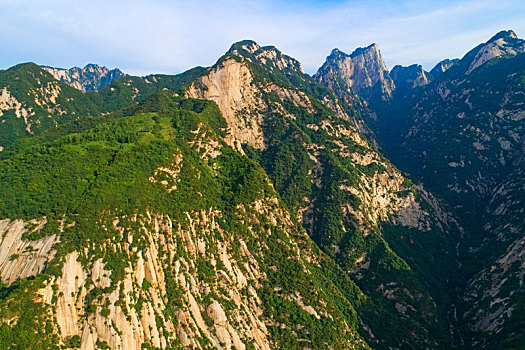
[90,78]
[229,84]
[362,72]
[22,258]
[505,43]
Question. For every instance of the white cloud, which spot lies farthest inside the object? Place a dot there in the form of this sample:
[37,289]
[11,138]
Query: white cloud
[171,36]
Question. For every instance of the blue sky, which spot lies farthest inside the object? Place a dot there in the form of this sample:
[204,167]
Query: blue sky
[161,36]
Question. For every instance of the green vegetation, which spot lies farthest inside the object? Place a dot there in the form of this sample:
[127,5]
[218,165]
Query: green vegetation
[459,136]
[49,103]
[32,87]
[105,155]
[108,170]
[308,163]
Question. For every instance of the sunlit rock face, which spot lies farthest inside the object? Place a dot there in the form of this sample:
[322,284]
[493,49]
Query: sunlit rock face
[362,72]
[90,78]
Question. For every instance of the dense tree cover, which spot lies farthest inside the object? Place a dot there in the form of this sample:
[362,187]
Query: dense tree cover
[49,103]
[318,185]
[93,166]
[105,169]
[34,89]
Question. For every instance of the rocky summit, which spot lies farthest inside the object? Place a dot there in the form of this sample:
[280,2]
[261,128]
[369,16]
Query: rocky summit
[363,72]
[249,205]
[459,130]
[90,78]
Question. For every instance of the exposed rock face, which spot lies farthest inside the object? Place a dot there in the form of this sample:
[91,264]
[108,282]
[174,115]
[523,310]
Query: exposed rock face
[442,67]
[90,78]
[32,101]
[23,258]
[380,194]
[273,59]
[208,268]
[9,103]
[504,44]
[135,310]
[363,72]
[409,77]
[490,294]
[229,84]
[185,257]
[462,134]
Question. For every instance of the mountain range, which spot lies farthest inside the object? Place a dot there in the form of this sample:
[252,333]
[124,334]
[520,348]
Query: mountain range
[249,205]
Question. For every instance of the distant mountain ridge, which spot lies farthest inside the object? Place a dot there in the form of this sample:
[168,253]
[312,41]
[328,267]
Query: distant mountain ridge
[241,206]
[154,146]
[364,73]
[90,78]
[460,131]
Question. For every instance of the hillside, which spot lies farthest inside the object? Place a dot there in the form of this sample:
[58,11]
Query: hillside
[90,78]
[166,238]
[460,132]
[247,206]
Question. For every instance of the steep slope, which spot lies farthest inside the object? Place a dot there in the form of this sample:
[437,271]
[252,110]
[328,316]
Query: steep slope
[505,44]
[407,78]
[462,136]
[164,185]
[494,297]
[347,196]
[90,78]
[31,101]
[156,187]
[131,90]
[165,237]
[363,72]
[442,66]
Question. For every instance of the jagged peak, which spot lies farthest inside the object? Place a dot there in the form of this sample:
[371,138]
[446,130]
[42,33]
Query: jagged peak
[93,65]
[412,67]
[370,50]
[92,77]
[358,51]
[409,76]
[504,34]
[248,45]
[503,44]
[363,71]
[442,66]
[253,52]
[97,67]
[89,66]
[361,50]
[335,52]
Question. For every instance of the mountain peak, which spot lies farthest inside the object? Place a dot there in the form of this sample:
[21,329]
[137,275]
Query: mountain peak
[363,71]
[504,34]
[336,52]
[503,44]
[268,56]
[442,66]
[92,77]
[409,77]
[248,45]
[91,66]
[372,48]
